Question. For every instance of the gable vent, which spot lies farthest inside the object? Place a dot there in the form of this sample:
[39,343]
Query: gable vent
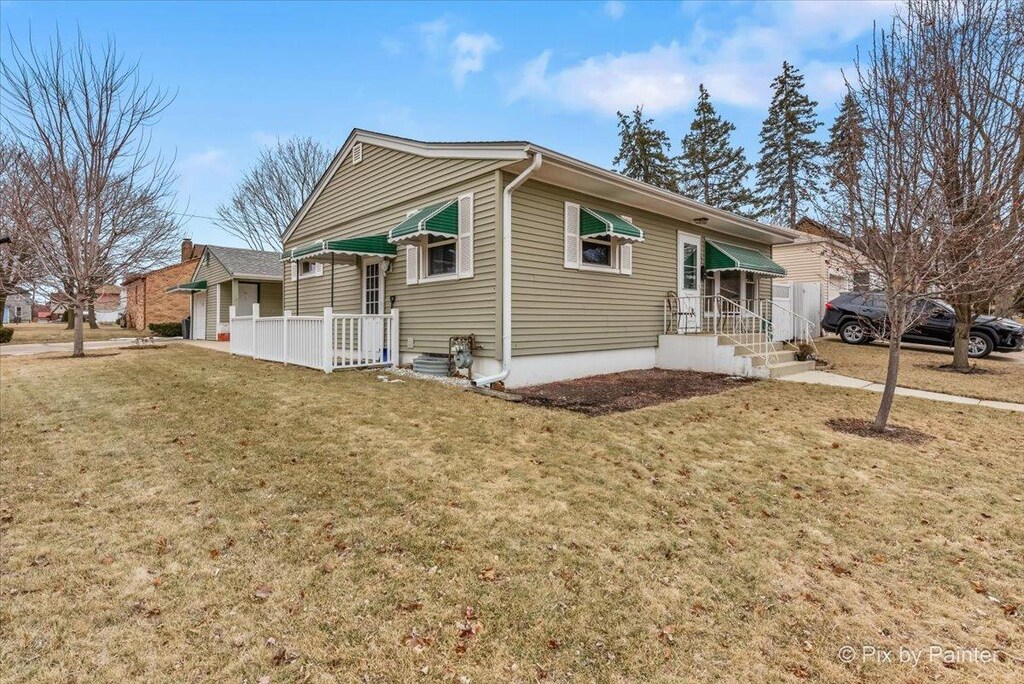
[357,153]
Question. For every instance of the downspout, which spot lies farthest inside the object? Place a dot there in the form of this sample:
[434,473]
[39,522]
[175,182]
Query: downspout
[506,274]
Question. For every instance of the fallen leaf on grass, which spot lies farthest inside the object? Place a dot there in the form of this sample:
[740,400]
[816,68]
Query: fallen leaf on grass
[214,553]
[488,574]
[665,634]
[416,641]
[410,606]
[554,644]
[262,592]
[158,580]
[107,560]
[979,586]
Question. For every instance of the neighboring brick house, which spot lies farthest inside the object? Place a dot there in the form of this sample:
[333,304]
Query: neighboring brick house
[146,297]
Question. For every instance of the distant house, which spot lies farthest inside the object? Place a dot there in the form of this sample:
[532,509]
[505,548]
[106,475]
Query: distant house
[146,299]
[229,276]
[18,307]
[820,255]
[106,305]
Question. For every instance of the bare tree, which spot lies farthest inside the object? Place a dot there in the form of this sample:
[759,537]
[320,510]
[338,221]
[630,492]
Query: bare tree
[973,126]
[18,265]
[888,206]
[95,203]
[272,191]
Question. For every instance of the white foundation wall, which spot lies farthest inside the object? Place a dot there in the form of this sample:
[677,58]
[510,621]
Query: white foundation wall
[534,370]
[703,353]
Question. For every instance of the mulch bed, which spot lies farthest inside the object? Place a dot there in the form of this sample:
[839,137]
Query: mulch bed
[948,368]
[866,428]
[616,392]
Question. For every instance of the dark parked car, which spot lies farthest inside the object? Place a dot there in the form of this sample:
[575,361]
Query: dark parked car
[858,316]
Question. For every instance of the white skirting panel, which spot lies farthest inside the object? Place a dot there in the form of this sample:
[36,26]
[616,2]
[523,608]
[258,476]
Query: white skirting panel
[534,370]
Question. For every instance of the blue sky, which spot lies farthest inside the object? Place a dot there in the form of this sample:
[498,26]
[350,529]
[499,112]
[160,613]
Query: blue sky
[552,73]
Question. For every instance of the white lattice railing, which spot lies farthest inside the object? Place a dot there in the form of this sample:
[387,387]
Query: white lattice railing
[324,342]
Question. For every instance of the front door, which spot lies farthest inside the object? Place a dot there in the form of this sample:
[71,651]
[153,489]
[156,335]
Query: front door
[248,294]
[199,316]
[372,326]
[689,283]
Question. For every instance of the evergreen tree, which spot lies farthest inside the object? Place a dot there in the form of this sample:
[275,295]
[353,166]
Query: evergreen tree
[710,169]
[644,151]
[845,151]
[789,171]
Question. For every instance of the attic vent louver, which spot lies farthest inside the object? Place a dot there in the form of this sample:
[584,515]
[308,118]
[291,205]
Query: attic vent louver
[357,153]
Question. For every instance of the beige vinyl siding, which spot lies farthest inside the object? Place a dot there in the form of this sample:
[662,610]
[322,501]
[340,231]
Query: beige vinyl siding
[212,271]
[271,299]
[374,196]
[211,311]
[384,177]
[804,262]
[225,303]
[560,310]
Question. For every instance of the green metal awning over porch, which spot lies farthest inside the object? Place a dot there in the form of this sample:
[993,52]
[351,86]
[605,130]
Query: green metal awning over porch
[721,256]
[194,286]
[597,223]
[369,245]
[440,219]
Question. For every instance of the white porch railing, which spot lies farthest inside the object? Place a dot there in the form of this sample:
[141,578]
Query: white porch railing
[323,342]
[718,315]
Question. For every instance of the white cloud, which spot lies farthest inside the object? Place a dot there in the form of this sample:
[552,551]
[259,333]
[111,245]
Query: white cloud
[433,33]
[615,8]
[736,63]
[469,51]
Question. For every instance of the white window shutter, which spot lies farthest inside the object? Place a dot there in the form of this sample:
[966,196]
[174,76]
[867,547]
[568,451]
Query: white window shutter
[626,258]
[412,264]
[295,270]
[572,235]
[464,251]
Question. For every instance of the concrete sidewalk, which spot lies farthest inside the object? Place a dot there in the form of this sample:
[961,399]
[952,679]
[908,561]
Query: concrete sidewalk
[833,380]
[47,347]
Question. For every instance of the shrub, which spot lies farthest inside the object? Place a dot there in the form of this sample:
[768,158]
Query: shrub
[166,329]
[6,334]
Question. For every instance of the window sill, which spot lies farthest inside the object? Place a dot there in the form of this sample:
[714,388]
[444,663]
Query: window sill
[439,278]
[598,269]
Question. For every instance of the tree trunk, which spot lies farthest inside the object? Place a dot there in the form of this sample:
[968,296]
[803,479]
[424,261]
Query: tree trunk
[961,331]
[92,316]
[3,303]
[69,318]
[78,349]
[891,371]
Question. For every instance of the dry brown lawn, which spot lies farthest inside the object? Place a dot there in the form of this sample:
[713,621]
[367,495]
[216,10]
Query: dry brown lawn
[185,516]
[1000,379]
[36,333]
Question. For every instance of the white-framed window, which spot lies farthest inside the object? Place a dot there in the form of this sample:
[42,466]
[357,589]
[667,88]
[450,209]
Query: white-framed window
[596,253]
[306,269]
[749,286]
[599,253]
[443,257]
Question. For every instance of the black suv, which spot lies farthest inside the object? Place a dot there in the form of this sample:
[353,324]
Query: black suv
[857,316]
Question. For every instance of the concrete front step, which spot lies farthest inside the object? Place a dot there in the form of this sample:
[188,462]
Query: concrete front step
[781,370]
[757,360]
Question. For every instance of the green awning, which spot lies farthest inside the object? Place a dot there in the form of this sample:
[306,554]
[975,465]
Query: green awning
[367,245]
[721,256]
[441,219]
[597,223]
[195,286]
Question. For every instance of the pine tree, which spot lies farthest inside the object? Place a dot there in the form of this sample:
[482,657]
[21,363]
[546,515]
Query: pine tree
[644,151]
[845,151]
[789,171]
[710,169]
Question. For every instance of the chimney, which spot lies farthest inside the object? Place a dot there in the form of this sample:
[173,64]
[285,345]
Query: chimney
[186,249]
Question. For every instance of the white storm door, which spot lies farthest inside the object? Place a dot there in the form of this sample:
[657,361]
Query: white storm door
[248,294]
[199,316]
[689,283]
[372,326]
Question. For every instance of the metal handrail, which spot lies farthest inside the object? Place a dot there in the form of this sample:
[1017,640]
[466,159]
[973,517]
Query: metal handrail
[718,315]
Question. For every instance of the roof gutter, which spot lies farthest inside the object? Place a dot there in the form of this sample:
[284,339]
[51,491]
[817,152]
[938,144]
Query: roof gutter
[506,273]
